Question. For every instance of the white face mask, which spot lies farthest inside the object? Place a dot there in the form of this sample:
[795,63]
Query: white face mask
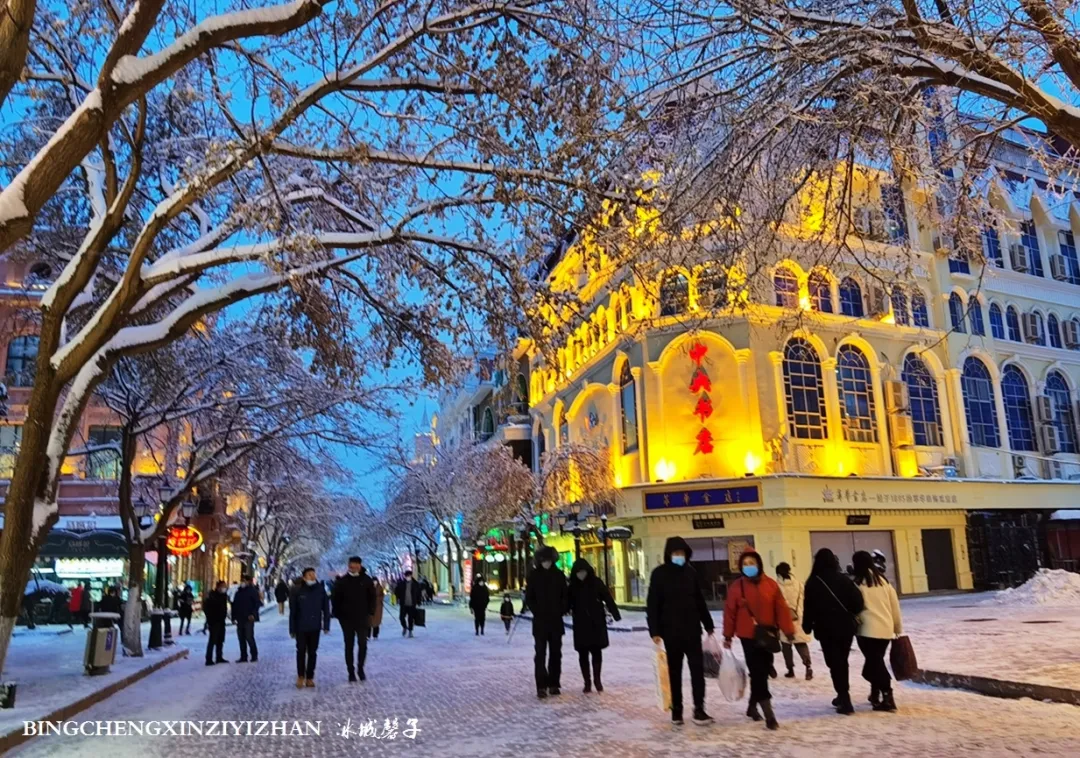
[581,575]
[545,564]
[311,582]
[353,573]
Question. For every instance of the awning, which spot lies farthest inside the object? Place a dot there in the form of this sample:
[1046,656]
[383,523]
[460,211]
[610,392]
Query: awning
[98,544]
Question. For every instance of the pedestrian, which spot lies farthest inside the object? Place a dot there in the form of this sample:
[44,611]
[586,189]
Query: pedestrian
[309,610]
[831,605]
[548,600]
[506,612]
[755,611]
[75,603]
[376,618]
[185,604]
[216,610]
[281,594]
[353,601]
[879,623]
[110,602]
[407,593]
[676,613]
[245,613]
[478,602]
[793,595]
[589,602]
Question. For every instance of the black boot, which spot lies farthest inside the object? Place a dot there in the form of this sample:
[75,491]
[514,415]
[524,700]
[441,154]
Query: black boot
[790,674]
[752,711]
[541,693]
[770,717]
[809,673]
[352,675]
[887,703]
[596,677]
[844,706]
[586,677]
[875,696]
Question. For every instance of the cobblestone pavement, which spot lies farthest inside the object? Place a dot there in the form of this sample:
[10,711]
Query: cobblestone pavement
[474,696]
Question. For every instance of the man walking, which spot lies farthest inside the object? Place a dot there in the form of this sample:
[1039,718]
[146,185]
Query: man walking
[309,609]
[216,610]
[353,600]
[547,598]
[407,593]
[281,594]
[185,604]
[245,612]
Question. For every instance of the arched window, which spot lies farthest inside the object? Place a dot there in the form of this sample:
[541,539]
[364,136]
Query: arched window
[1018,417]
[851,300]
[487,426]
[922,401]
[674,295]
[1036,332]
[856,390]
[920,314]
[997,324]
[786,287]
[1053,331]
[804,392]
[21,360]
[975,317]
[900,307]
[1012,324]
[956,313]
[820,293]
[628,409]
[1057,389]
[712,287]
[979,407]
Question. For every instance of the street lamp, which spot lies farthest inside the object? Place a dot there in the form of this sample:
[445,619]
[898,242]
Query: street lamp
[161,601]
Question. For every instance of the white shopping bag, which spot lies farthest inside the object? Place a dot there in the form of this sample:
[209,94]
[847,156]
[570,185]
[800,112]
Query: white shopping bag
[732,678]
[712,655]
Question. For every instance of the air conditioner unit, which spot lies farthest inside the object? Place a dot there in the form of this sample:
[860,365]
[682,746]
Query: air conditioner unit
[1030,324]
[1044,410]
[1048,438]
[1070,331]
[896,396]
[1058,269]
[901,430]
[1018,257]
[1019,464]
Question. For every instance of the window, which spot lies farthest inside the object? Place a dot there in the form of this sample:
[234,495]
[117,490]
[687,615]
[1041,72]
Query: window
[851,302]
[805,396]
[786,287]
[628,409]
[958,263]
[1068,251]
[104,464]
[10,440]
[1018,418]
[892,200]
[975,317]
[997,325]
[1053,331]
[1057,389]
[991,243]
[620,313]
[487,425]
[1029,238]
[712,288]
[979,408]
[920,314]
[22,360]
[820,293]
[1038,335]
[900,307]
[956,313]
[674,295]
[856,392]
[922,401]
[1012,321]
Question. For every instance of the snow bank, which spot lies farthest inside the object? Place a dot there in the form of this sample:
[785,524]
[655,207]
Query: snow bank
[1047,587]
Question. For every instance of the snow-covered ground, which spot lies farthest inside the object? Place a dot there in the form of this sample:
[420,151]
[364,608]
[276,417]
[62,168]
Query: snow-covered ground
[474,696]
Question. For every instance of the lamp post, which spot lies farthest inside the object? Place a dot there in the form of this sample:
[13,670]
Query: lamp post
[603,541]
[144,511]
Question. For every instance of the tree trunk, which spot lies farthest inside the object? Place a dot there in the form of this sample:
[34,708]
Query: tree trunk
[132,629]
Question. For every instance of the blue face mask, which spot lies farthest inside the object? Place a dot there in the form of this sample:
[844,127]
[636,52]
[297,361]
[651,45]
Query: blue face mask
[678,560]
[750,570]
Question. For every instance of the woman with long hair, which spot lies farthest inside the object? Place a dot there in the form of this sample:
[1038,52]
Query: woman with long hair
[831,604]
[879,623]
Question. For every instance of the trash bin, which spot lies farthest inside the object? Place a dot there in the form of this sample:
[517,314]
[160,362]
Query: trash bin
[102,639]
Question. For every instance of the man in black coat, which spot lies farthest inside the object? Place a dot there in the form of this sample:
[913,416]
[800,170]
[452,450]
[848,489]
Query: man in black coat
[281,594]
[353,600]
[831,604]
[216,609]
[546,596]
[676,614]
[245,612]
[407,593]
[590,602]
[478,603]
[309,611]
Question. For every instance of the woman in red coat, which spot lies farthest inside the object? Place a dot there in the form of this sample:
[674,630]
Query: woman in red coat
[756,600]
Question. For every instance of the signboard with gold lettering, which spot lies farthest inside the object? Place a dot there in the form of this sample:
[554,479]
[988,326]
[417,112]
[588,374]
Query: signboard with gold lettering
[714,497]
[183,539]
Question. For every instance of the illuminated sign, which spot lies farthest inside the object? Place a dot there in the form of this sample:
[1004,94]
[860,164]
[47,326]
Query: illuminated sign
[79,568]
[714,497]
[181,540]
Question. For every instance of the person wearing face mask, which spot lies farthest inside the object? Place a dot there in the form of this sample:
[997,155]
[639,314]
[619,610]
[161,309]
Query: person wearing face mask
[831,607]
[309,610]
[546,596]
[353,602]
[506,612]
[216,610]
[676,614]
[793,594]
[754,601]
[407,593]
[590,601]
[479,598]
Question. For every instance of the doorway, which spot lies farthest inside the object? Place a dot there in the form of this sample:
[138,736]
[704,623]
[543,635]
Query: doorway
[846,544]
[938,558]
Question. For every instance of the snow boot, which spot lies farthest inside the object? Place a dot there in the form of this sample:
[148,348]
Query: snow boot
[887,704]
[809,673]
[752,711]
[844,707]
[701,718]
[309,683]
[770,717]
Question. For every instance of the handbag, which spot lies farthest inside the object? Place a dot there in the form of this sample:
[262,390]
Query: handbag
[766,638]
[902,659]
[854,620]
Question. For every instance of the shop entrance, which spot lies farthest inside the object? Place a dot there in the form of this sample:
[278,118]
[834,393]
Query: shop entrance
[846,544]
[716,560]
[938,558]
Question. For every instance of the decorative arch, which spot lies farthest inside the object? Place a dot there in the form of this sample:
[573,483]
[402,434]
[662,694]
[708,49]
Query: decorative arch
[854,339]
[621,358]
[814,340]
[675,347]
[984,356]
[590,415]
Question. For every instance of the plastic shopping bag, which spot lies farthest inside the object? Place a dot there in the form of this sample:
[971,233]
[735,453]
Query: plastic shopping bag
[663,684]
[711,657]
[732,678]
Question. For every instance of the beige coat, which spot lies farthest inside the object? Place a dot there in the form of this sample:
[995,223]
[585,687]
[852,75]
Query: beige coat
[880,619]
[376,618]
[793,594]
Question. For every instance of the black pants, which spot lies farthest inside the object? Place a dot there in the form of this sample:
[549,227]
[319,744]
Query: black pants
[789,657]
[597,663]
[874,669]
[185,615]
[759,663]
[354,634]
[373,632]
[548,658]
[691,650]
[215,640]
[245,632]
[836,650]
[408,614]
[307,645]
[506,623]
[479,619]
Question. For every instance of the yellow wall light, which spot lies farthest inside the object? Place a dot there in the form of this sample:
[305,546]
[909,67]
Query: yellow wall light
[665,470]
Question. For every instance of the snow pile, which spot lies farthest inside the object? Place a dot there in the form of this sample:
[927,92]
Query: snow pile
[1047,587]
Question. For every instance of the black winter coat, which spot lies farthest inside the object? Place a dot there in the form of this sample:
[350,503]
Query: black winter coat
[828,617]
[246,603]
[479,598]
[546,595]
[399,592]
[281,592]
[590,602]
[186,600]
[309,609]
[216,607]
[353,599]
[109,604]
[676,607]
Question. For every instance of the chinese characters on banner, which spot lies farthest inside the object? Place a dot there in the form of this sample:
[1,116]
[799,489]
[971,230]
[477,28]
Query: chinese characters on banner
[701,385]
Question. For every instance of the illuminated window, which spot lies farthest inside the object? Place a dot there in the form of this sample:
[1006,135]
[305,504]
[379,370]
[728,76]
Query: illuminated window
[1012,322]
[104,464]
[628,409]
[997,325]
[21,361]
[975,317]
[820,293]
[1018,416]
[856,391]
[1057,389]
[979,408]
[900,307]
[922,401]
[956,313]
[786,286]
[10,440]
[1053,331]
[920,314]
[851,300]
[804,391]
[1029,238]
[674,295]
